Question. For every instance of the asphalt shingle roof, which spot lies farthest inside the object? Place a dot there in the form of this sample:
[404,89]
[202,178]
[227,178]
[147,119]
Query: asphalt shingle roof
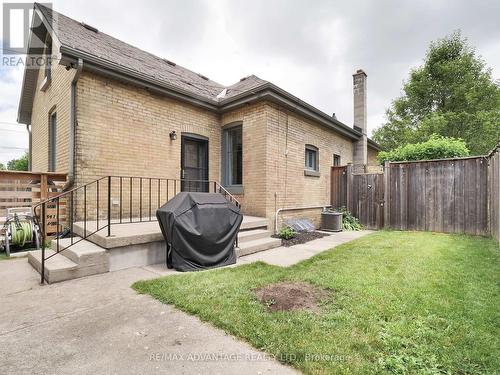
[74,34]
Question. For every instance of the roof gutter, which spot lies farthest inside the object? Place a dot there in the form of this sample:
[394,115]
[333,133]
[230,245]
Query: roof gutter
[374,145]
[72,124]
[273,93]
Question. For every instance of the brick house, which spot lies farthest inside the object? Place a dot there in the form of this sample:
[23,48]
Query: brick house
[103,107]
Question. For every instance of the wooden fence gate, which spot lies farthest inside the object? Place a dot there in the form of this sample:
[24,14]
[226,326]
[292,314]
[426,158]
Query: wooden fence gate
[339,187]
[367,199]
[361,193]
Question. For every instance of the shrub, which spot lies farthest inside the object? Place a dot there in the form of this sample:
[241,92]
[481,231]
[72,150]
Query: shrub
[349,222]
[436,147]
[286,233]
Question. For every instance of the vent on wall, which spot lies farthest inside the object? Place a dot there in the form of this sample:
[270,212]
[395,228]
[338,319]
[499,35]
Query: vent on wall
[170,62]
[88,27]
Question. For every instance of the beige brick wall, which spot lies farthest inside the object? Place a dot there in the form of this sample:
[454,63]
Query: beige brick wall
[56,98]
[372,157]
[274,178]
[124,130]
[253,118]
[287,186]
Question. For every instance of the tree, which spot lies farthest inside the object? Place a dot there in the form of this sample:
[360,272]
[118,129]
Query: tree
[452,94]
[436,147]
[2,167]
[20,164]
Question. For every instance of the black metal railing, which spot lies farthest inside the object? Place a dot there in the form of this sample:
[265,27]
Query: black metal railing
[91,206]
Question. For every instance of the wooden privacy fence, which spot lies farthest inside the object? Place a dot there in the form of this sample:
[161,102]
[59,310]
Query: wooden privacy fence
[447,196]
[450,196]
[24,189]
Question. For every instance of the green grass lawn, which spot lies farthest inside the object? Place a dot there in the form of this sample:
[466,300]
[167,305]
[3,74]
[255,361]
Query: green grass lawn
[400,302]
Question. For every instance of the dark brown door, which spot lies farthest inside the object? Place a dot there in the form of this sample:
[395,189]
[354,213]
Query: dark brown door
[194,164]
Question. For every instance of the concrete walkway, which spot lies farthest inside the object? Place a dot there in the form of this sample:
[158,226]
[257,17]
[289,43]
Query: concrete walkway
[287,256]
[99,325]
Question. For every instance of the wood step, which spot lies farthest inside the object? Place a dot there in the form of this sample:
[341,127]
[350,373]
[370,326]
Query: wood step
[255,246]
[253,234]
[83,252]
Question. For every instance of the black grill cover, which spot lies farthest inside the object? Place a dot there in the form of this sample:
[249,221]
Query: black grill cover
[200,230]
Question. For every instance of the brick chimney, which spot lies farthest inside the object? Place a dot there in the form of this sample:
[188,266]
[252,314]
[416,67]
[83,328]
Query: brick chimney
[360,155]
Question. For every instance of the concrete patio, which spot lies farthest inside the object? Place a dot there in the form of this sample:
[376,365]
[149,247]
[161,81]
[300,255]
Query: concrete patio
[98,324]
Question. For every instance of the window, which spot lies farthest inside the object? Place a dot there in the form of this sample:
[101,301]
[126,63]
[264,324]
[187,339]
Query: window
[233,156]
[336,160]
[48,62]
[311,159]
[52,141]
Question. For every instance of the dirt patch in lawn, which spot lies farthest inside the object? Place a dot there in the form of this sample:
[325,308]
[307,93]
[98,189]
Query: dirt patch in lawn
[302,237]
[288,296]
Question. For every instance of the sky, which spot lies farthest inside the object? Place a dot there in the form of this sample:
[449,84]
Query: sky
[310,48]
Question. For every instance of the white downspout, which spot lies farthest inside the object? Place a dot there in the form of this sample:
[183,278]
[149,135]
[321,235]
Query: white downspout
[28,128]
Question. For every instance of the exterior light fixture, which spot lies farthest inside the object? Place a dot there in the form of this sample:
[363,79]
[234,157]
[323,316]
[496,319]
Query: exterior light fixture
[173,135]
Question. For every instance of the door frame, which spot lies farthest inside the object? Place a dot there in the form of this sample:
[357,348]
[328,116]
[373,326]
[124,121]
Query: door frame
[201,140]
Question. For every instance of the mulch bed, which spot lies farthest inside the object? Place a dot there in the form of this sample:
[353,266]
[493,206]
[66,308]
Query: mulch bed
[302,237]
[288,296]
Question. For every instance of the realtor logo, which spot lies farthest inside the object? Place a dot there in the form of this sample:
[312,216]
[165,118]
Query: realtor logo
[17,18]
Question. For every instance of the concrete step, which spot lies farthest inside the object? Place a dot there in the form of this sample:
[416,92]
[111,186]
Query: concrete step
[80,260]
[252,234]
[253,223]
[84,253]
[126,234]
[57,268]
[255,246]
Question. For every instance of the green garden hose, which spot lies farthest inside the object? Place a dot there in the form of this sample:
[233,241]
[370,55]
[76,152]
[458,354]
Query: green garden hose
[21,233]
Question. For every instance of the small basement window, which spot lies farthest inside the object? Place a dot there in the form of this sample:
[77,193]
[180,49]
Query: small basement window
[311,161]
[336,160]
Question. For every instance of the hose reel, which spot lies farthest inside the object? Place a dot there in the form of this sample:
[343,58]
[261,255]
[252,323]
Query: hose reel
[20,230]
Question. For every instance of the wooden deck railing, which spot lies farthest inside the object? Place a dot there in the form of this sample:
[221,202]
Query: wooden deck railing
[25,189]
